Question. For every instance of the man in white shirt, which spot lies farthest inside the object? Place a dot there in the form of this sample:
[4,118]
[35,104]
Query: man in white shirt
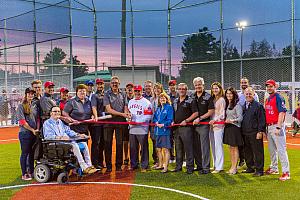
[141,111]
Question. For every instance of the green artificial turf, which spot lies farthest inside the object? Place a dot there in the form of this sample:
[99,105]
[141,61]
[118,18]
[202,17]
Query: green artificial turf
[10,172]
[221,186]
[217,186]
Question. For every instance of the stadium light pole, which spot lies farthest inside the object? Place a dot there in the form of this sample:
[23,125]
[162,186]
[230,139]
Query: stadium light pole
[241,25]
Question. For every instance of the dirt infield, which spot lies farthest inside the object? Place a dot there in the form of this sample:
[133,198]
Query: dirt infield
[9,135]
[82,191]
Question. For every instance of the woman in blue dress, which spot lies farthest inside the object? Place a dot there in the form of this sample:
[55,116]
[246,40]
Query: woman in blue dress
[163,118]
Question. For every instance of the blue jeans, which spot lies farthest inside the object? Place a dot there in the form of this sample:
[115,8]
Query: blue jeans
[27,139]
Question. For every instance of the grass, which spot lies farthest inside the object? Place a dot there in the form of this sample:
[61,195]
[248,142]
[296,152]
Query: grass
[220,186]
[10,172]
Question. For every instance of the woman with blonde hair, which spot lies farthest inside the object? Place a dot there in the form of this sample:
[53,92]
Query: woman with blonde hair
[157,90]
[163,118]
[217,130]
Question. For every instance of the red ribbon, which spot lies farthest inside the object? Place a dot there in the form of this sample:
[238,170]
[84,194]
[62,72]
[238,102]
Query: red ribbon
[92,121]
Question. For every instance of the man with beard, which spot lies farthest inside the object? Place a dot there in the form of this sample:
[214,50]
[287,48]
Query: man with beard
[115,103]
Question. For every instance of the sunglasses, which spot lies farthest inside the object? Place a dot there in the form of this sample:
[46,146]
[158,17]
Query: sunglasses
[137,90]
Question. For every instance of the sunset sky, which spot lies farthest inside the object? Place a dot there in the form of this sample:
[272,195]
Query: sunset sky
[147,51]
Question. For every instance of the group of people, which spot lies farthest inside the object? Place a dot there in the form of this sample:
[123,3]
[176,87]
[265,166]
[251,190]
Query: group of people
[184,127]
[8,106]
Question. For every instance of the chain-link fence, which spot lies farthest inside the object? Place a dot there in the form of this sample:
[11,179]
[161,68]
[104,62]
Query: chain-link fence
[68,41]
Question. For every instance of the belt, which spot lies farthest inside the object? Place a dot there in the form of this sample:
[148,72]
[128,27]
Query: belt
[271,124]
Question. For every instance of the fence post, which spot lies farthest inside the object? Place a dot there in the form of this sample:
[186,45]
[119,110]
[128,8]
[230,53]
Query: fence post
[5,56]
[222,52]
[71,47]
[293,55]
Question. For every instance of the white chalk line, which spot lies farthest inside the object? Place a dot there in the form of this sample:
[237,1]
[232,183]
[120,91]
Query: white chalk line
[287,144]
[108,183]
[8,140]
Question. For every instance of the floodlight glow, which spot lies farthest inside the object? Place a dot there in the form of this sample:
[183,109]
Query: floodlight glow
[241,25]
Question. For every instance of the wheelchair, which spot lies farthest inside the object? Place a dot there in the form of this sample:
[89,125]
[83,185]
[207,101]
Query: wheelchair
[56,160]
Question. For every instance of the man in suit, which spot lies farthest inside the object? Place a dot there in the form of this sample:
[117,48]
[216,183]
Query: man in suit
[253,128]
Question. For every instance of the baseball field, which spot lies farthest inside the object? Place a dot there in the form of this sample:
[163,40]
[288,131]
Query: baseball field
[149,185]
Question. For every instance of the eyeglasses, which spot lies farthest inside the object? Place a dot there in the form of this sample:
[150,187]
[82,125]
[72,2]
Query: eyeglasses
[181,89]
[114,83]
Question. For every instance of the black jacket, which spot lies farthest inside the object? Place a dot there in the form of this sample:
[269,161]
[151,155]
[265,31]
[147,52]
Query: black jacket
[254,119]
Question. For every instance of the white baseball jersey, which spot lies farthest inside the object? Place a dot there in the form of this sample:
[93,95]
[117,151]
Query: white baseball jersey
[141,111]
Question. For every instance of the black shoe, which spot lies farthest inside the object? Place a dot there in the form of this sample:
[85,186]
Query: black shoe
[241,164]
[118,169]
[176,170]
[257,174]
[204,171]
[108,170]
[248,170]
[189,171]
[99,167]
[126,162]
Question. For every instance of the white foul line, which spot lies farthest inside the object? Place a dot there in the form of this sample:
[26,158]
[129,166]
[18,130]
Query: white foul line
[287,144]
[108,183]
[8,140]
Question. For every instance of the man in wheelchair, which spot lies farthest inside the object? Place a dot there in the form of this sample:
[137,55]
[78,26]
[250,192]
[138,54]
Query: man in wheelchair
[55,129]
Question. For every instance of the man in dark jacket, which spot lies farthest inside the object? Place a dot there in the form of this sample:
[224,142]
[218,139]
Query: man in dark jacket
[253,128]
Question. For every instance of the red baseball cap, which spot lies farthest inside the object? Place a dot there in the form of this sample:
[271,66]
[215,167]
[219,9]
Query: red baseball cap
[48,84]
[138,87]
[270,82]
[129,84]
[172,82]
[64,89]
[99,80]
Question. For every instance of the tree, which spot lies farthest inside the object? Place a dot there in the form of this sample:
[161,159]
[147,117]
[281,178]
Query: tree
[78,70]
[260,49]
[230,51]
[56,56]
[286,51]
[202,46]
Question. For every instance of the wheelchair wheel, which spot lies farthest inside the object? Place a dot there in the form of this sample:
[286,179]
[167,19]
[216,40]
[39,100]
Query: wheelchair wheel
[42,173]
[62,178]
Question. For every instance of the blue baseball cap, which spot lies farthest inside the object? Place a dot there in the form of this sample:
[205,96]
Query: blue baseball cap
[89,82]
